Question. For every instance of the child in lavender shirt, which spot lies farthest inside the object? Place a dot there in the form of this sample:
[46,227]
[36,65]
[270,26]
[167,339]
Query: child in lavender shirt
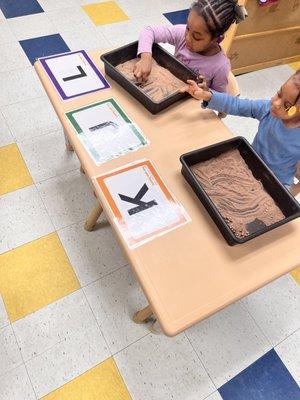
[196,43]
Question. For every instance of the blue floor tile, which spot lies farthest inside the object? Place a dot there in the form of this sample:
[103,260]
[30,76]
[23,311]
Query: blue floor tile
[43,46]
[177,17]
[266,379]
[18,8]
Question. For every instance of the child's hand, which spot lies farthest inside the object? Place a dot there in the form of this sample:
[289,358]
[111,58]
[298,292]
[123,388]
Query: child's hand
[201,82]
[142,68]
[196,91]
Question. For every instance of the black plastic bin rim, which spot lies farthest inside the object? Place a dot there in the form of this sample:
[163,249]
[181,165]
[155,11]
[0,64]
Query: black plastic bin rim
[240,139]
[104,60]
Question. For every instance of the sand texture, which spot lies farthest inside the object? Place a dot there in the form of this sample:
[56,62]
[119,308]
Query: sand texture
[240,198]
[160,83]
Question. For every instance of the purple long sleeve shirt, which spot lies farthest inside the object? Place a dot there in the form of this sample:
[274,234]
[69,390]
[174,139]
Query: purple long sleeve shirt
[215,68]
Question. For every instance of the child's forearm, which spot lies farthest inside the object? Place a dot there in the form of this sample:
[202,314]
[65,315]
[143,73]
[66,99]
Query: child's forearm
[155,34]
[295,189]
[236,106]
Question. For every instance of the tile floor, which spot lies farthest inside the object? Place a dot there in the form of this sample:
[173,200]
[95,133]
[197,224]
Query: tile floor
[67,296]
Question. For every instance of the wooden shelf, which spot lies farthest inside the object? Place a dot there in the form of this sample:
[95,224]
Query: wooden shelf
[269,36]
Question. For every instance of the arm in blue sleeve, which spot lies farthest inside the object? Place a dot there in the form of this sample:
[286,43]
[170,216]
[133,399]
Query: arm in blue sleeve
[236,106]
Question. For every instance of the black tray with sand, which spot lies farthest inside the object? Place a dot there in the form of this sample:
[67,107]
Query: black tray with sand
[114,58]
[242,195]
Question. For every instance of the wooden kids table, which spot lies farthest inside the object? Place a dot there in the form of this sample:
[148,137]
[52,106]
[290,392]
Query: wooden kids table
[190,272]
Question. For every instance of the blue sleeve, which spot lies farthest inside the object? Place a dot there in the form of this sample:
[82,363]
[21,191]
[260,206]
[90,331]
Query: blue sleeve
[236,106]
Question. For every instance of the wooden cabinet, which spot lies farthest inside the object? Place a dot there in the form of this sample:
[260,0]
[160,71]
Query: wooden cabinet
[268,37]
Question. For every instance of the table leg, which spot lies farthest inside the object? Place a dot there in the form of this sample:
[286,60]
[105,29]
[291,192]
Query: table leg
[93,217]
[68,144]
[143,315]
[155,328]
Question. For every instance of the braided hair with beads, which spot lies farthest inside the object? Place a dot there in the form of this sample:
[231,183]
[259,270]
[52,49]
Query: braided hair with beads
[219,15]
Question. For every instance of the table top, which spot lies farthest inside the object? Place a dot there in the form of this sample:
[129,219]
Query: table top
[190,272]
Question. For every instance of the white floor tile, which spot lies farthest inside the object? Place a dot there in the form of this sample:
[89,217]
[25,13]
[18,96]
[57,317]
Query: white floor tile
[5,134]
[241,126]
[3,314]
[114,299]
[98,253]
[68,198]
[12,57]
[49,5]
[66,19]
[289,352]
[227,343]
[6,35]
[158,367]
[54,323]
[120,33]
[84,2]
[275,308]
[125,32]
[10,355]
[214,396]
[263,84]
[31,26]
[68,359]
[277,76]
[19,85]
[133,8]
[174,5]
[15,385]
[46,156]
[254,86]
[31,118]
[87,39]
[23,218]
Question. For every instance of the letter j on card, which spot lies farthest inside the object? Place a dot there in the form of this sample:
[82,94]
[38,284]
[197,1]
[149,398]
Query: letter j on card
[142,205]
[73,74]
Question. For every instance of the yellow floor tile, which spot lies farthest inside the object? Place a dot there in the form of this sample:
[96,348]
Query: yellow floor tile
[34,275]
[101,382]
[296,275]
[13,171]
[105,13]
[295,65]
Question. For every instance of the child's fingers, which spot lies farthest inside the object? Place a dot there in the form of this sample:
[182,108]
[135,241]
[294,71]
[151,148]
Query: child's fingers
[203,87]
[137,73]
[202,82]
[193,84]
[135,68]
[145,75]
[184,89]
[198,94]
[192,87]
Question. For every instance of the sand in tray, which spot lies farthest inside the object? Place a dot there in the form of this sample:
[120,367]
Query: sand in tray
[240,198]
[160,83]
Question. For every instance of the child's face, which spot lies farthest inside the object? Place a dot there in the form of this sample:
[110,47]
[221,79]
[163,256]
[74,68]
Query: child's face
[197,36]
[285,98]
